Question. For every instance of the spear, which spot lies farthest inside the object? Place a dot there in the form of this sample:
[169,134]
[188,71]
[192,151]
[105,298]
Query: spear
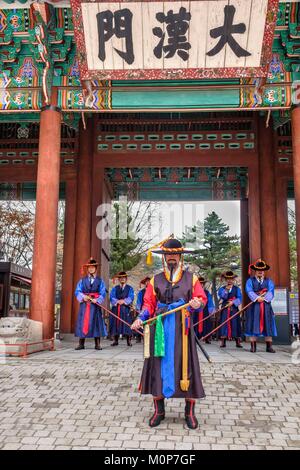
[114,315]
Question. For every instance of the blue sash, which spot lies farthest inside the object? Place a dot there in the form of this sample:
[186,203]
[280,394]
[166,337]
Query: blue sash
[167,362]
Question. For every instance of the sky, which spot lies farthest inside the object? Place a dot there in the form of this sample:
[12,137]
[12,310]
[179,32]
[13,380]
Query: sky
[173,217]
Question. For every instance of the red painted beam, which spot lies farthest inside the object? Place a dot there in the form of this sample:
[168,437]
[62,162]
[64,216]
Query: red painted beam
[233,158]
[24,174]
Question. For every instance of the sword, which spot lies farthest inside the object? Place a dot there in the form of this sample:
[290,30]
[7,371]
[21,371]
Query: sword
[202,349]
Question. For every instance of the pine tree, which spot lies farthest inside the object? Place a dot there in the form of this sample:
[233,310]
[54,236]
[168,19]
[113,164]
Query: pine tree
[215,250]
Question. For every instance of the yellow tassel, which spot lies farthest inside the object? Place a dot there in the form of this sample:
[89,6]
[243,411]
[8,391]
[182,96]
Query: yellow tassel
[184,383]
[149,260]
[146,341]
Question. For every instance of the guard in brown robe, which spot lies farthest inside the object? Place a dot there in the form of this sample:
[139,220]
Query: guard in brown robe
[176,374]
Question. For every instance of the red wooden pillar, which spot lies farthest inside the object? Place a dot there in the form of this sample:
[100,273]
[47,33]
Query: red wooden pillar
[97,200]
[45,231]
[244,219]
[82,250]
[68,258]
[267,195]
[296,165]
[254,212]
[283,232]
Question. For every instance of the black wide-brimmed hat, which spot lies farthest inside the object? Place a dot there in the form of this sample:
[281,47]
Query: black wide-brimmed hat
[172,247]
[91,262]
[259,265]
[229,275]
[120,275]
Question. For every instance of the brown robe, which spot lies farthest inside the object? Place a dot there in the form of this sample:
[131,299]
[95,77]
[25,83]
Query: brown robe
[151,382]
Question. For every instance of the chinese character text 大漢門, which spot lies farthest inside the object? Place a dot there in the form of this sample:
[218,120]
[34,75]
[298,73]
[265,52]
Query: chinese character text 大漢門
[173,39]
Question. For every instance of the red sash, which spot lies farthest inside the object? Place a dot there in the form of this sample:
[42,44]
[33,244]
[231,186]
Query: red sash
[229,333]
[119,315]
[200,319]
[262,312]
[86,318]
[187,323]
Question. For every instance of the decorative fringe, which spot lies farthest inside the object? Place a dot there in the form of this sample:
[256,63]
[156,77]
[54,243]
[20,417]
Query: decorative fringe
[184,383]
[146,341]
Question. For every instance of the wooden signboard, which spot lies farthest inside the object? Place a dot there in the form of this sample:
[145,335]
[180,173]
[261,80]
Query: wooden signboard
[174,39]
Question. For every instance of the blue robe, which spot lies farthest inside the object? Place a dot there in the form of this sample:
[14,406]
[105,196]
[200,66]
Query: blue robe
[235,324]
[253,287]
[208,310]
[140,299]
[97,326]
[117,327]
[138,306]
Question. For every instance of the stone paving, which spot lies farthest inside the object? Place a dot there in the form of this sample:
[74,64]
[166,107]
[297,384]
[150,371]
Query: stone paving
[88,399]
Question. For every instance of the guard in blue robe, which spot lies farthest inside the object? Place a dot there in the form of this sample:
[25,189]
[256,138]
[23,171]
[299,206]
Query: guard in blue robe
[202,326]
[89,291]
[260,319]
[121,299]
[139,303]
[230,294]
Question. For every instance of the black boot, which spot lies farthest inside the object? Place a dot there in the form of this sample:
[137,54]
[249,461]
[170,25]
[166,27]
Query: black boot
[208,340]
[223,343]
[138,339]
[97,344]
[128,340]
[238,342]
[116,341]
[80,344]
[159,412]
[269,348]
[189,413]
[253,347]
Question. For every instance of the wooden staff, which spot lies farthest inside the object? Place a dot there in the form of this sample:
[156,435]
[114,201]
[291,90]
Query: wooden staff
[113,315]
[211,315]
[177,309]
